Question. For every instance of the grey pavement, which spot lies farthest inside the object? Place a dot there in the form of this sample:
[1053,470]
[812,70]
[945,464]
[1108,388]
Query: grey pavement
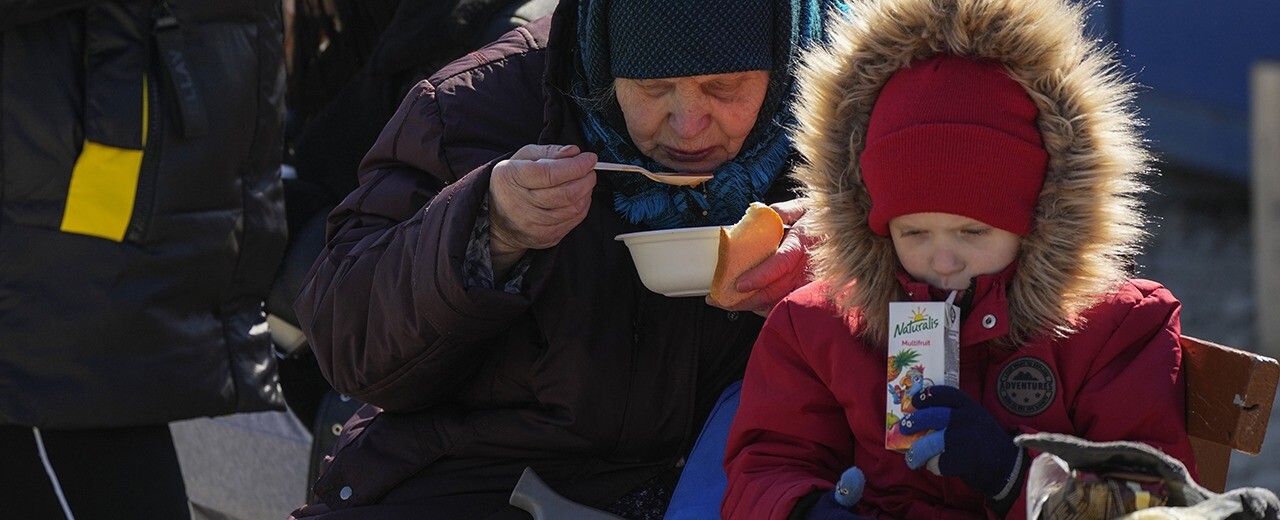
[249,466]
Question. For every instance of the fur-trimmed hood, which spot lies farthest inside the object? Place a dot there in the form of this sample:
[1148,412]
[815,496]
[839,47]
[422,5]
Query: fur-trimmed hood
[1087,225]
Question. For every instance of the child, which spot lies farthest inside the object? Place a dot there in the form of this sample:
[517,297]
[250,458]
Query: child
[983,147]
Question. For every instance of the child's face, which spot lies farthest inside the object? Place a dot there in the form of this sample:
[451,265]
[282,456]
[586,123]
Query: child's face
[946,250]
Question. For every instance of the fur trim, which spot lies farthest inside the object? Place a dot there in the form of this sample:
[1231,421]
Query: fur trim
[1088,224]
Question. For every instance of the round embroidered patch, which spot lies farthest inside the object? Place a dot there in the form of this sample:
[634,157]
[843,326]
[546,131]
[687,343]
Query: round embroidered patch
[1026,386]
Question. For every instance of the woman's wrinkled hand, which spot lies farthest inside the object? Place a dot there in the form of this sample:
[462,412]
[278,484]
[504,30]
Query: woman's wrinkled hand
[535,198]
[785,271]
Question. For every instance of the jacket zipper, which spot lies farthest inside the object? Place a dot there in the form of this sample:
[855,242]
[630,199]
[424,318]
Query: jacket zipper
[623,441]
[145,201]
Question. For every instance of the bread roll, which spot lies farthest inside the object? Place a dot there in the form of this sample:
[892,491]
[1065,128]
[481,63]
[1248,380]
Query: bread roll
[743,246]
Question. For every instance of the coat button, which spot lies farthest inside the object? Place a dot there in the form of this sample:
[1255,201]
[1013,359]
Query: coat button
[345,492]
[336,429]
[988,321]
[733,316]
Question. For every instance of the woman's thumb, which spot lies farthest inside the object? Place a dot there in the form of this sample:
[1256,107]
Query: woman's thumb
[533,152]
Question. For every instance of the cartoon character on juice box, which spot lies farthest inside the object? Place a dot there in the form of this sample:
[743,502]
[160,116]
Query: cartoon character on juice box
[907,387]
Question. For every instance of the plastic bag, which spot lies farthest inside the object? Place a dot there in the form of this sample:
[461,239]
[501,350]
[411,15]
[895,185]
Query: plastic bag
[1075,479]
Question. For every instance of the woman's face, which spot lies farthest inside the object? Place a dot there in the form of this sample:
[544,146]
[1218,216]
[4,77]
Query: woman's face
[946,250]
[693,123]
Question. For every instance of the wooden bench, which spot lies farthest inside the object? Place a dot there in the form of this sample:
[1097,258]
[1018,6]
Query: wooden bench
[1229,398]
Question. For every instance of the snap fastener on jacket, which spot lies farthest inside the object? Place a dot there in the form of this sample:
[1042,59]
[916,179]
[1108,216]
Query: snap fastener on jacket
[733,315]
[345,492]
[337,428]
[988,321]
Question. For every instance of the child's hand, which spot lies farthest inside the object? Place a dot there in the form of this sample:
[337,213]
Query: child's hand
[984,456]
[826,508]
[837,504]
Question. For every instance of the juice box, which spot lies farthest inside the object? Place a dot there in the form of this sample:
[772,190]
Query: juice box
[924,349]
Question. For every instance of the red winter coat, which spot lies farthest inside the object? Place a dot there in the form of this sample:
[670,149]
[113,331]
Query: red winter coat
[813,403]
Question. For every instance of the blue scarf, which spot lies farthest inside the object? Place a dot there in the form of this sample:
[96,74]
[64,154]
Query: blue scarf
[738,182]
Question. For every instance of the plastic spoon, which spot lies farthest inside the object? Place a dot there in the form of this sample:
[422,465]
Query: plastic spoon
[677,179]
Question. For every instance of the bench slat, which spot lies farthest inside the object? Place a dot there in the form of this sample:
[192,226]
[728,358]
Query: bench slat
[1229,394]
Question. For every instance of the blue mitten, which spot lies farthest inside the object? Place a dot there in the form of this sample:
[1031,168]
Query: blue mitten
[826,508]
[982,454]
[837,504]
[849,488]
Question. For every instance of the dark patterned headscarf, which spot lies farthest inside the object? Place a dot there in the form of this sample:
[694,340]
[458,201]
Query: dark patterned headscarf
[673,38]
[670,50]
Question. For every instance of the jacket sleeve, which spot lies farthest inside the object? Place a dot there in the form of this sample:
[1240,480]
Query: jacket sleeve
[790,436]
[385,306]
[1136,389]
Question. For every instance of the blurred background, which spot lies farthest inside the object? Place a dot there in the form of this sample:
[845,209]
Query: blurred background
[1211,97]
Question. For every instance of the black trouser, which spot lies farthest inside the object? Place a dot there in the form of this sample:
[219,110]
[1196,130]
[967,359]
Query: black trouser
[112,473]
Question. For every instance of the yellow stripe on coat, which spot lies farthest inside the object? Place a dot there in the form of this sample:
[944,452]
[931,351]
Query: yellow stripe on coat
[104,186]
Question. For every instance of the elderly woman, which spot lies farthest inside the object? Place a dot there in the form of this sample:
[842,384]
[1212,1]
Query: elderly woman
[472,291]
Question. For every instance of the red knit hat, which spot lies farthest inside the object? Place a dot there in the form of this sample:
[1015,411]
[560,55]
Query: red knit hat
[954,135]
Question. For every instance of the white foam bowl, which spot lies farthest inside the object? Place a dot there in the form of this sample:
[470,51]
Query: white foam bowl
[675,262]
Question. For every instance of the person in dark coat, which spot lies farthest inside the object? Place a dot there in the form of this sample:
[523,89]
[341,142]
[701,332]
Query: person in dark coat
[141,221]
[472,291]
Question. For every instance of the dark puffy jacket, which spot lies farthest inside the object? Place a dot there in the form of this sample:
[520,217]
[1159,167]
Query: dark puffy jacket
[587,376]
[141,219]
